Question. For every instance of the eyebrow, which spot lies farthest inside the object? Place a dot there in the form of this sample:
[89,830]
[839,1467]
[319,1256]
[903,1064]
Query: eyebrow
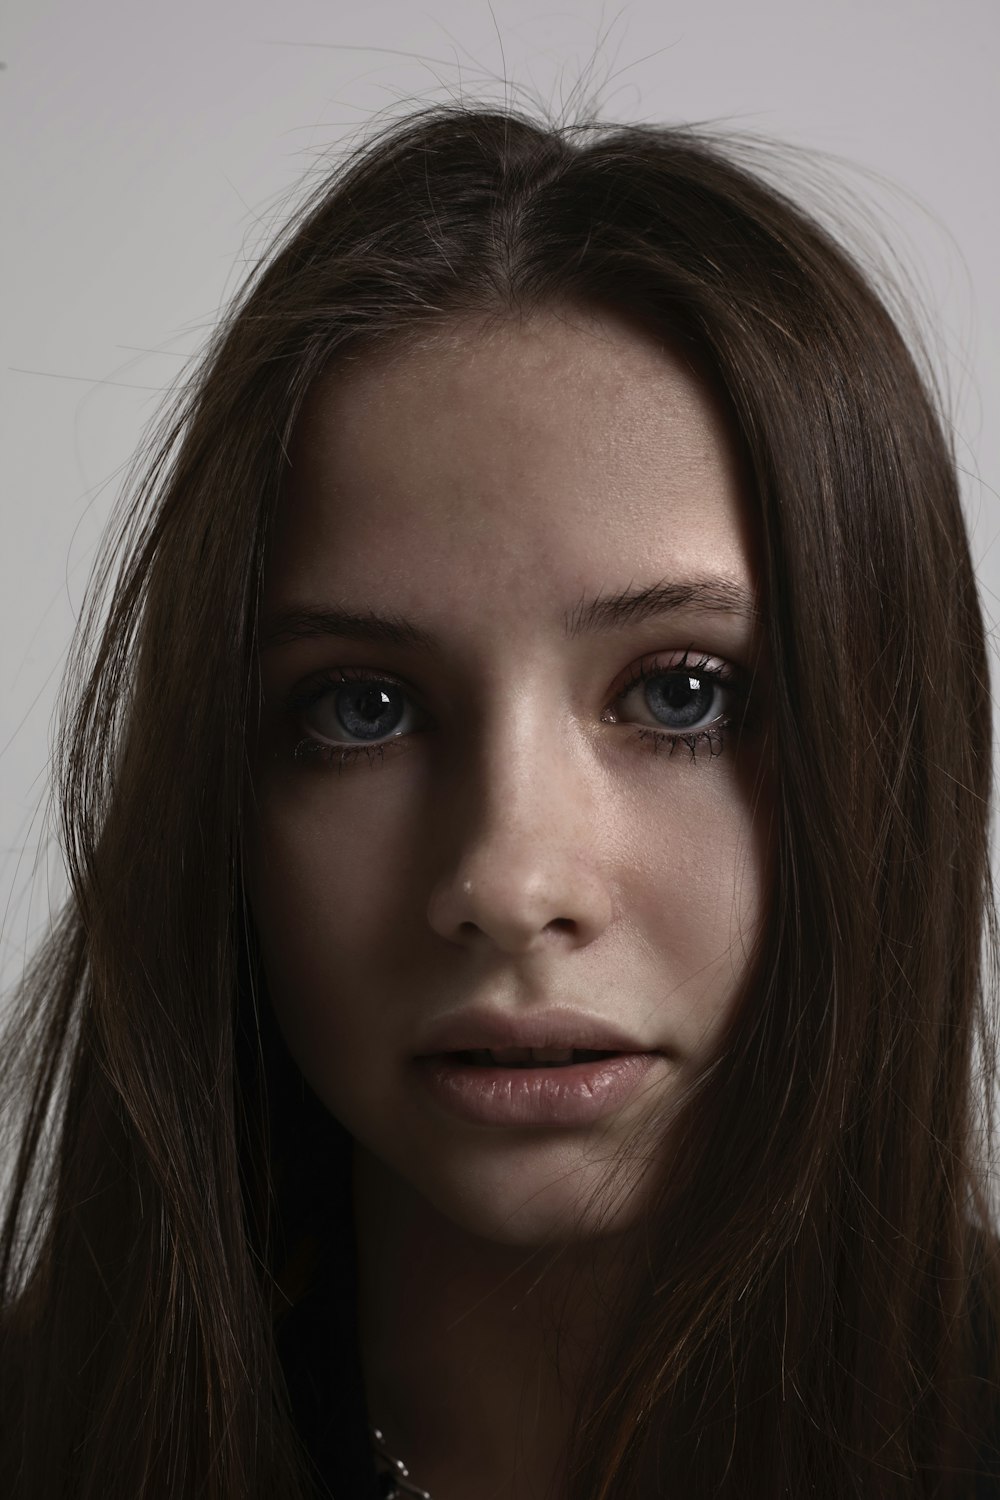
[702,595]
[607,612]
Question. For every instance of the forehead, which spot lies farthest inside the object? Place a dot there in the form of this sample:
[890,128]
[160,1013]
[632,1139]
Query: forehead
[530,460]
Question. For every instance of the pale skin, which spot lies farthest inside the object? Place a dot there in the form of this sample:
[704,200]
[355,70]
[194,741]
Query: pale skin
[524,838]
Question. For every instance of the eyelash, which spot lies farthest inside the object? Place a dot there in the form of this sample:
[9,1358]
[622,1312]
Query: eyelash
[711,738]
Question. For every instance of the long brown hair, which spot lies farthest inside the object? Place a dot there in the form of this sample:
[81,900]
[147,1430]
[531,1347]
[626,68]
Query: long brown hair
[807,1320]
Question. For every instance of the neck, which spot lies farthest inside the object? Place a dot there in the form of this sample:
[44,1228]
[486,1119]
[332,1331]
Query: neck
[474,1353]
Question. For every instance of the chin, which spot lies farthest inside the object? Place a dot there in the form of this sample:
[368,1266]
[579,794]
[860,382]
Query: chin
[535,1193]
[535,1224]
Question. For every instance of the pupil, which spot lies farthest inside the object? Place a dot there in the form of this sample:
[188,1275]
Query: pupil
[679,700]
[370,710]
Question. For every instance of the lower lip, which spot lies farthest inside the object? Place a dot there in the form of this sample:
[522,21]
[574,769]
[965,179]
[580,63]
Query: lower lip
[573,1095]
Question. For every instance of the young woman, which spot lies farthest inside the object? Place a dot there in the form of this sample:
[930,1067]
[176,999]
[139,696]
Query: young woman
[527,816]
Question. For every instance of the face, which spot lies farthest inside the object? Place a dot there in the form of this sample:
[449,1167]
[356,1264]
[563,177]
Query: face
[510,799]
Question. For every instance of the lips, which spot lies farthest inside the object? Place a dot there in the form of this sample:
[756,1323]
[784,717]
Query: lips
[535,1096]
[543,1069]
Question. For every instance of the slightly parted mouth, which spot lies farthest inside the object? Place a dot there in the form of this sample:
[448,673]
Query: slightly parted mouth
[528,1039]
[527,1057]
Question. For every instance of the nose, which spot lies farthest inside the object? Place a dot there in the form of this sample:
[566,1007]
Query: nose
[524,867]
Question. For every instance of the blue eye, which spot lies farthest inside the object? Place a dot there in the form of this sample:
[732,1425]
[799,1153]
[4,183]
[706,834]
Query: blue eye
[369,710]
[688,701]
[344,713]
[691,701]
[682,700]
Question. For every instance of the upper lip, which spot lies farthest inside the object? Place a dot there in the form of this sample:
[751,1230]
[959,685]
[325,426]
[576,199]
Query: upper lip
[487,1030]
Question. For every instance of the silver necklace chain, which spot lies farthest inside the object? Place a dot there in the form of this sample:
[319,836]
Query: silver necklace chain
[399,1484]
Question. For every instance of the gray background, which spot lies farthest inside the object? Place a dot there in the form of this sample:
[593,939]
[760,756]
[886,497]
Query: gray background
[149,148]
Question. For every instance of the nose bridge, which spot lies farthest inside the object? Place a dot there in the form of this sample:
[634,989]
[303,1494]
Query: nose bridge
[523,755]
[521,859]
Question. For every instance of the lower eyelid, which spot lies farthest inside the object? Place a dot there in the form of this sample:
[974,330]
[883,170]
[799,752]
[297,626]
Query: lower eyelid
[309,750]
[670,739]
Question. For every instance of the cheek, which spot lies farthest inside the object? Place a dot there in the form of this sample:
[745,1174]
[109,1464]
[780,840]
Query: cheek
[698,896]
[333,906]
[331,871]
